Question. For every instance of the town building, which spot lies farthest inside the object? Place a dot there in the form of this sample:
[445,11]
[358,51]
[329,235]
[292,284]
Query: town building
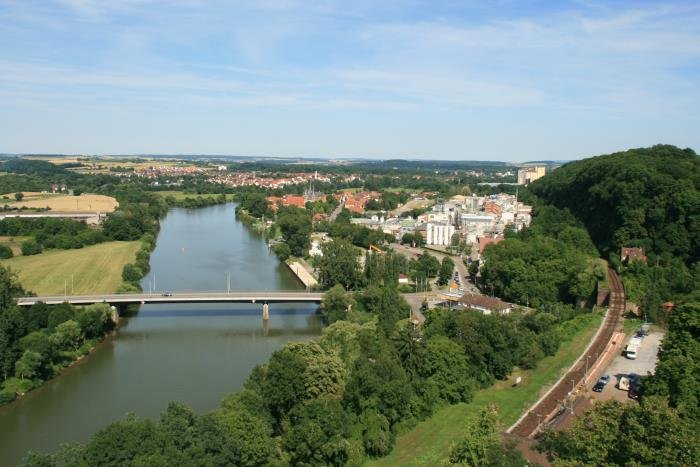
[527,175]
[485,304]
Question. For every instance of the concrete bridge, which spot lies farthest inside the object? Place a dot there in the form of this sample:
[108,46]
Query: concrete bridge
[264,297]
[177,297]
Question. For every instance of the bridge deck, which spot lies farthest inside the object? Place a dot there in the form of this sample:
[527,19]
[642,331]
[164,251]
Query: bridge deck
[178,297]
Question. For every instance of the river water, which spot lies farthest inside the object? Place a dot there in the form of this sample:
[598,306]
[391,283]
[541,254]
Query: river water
[194,353]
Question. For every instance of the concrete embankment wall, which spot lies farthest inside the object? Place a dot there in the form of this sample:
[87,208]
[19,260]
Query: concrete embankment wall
[302,273]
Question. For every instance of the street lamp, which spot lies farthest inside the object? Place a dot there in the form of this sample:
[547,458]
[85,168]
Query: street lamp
[585,378]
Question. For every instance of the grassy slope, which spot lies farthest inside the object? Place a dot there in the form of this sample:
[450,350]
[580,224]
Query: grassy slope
[430,441]
[97,268]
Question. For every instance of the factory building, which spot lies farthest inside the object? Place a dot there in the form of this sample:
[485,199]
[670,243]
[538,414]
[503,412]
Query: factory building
[439,234]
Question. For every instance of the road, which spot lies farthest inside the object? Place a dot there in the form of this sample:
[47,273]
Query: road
[459,264]
[337,210]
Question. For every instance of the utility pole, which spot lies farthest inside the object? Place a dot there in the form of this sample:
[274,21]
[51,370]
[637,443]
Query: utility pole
[65,288]
[71,285]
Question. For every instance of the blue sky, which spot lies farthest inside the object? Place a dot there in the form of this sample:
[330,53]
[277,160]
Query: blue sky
[487,80]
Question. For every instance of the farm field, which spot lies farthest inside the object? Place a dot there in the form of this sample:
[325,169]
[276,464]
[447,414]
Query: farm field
[429,442]
[57,202]
[96,268]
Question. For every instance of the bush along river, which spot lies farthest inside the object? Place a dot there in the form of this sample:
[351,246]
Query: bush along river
[193,353]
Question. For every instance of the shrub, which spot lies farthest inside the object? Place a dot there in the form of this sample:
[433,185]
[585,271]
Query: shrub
[31,247]
[5,252]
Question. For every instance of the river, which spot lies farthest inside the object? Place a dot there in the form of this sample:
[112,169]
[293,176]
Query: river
[194,353]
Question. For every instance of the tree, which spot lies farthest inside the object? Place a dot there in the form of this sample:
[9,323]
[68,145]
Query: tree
[613,433]
[67,336]
[5,252]
[249,437]
[19,196]
[27,367]
[9,288]
[12,329]
[481,437]
[339,265]
[446,269]
[59,314]
[31,247]
[282,251]
[131,273]
[95,320]
[319,434]
[295,224]
[336,304]
[448,367]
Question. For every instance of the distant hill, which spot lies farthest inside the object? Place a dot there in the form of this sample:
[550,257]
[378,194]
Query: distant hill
[641,197]
[31,167]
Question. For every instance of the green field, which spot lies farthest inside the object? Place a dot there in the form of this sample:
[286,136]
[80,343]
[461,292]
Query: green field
[180,195]
[96,268]
[430,441]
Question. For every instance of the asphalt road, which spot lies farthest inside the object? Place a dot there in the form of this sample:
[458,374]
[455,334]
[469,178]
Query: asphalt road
[459,264]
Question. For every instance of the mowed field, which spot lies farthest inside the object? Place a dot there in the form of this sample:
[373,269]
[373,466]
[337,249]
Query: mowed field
[96,268]
[429,443]
[84,202]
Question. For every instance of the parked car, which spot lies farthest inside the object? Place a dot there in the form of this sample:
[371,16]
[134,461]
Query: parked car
[167,294]
[601,383]
[624,383]
[633,392]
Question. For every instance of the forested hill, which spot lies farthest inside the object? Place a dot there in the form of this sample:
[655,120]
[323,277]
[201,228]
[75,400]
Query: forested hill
[641,197]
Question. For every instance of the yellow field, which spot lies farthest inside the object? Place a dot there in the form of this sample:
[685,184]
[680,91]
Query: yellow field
[102,164]
[93,269]
[84,202]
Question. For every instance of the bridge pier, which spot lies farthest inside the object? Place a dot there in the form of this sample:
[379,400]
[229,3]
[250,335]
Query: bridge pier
[266,312]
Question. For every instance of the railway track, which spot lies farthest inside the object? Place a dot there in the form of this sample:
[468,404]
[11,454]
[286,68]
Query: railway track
[564,389]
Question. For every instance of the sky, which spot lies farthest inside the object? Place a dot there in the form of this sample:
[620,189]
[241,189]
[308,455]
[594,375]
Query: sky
[480,80]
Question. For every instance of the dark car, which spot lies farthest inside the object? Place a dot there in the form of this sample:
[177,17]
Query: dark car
[635,387]
[633,392]
[601,383]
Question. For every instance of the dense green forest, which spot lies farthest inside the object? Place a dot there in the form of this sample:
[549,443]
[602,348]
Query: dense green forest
[37,343]
[642,197]
[646,197]
[553,261]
